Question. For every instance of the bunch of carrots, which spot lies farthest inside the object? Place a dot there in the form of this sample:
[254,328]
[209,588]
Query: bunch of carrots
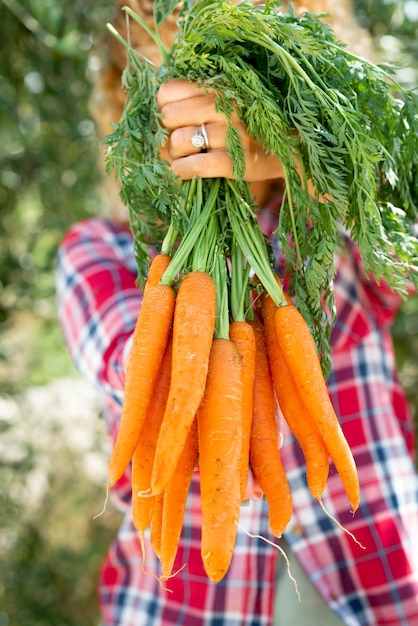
[217,347]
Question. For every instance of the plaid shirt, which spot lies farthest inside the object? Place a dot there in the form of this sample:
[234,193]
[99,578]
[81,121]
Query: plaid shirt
[378,585]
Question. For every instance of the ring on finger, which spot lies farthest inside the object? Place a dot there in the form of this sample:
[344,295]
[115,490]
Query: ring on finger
[200,138]
[205,137]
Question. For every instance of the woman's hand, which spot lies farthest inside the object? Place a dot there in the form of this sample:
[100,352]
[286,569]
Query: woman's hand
[185,107]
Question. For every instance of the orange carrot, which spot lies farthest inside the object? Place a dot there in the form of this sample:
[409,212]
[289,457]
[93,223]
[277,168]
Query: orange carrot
[193,327]
[143,456]
[157,268]
[219,422]
[265,458]
[242,334]
[299,352]
[174,502]
[294,411]
[150,336]
[155,525]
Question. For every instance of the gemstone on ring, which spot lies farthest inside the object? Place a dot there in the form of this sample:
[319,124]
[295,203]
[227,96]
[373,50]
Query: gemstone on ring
[200,138]
[198,141]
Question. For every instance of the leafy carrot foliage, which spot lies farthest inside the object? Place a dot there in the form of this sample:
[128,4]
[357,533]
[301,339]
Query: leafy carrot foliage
[356,139]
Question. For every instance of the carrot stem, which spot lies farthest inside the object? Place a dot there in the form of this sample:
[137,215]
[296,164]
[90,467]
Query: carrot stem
[240,272]
[251,241]
[220,277]
[153,34]
[199,217]
[203,254]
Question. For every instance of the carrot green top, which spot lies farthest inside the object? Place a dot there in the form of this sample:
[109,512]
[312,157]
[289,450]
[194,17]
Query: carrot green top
[356,141]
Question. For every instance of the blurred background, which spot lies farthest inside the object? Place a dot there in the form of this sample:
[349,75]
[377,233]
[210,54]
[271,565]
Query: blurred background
[53,447]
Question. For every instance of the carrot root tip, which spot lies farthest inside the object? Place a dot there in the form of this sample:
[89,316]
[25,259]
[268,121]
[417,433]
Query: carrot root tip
[159,578]
[109,485]
[168,576]
[340,525]
[282,552]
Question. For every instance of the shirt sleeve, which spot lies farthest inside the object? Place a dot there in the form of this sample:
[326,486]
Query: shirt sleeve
[98,303]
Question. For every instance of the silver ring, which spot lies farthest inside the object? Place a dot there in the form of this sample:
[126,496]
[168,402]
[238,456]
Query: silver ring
[205,136]
[200,139]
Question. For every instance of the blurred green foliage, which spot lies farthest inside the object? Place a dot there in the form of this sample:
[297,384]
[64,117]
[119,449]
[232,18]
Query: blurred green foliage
[394,28]
[50,553]
[53,476]
[50,550]
[48,146]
